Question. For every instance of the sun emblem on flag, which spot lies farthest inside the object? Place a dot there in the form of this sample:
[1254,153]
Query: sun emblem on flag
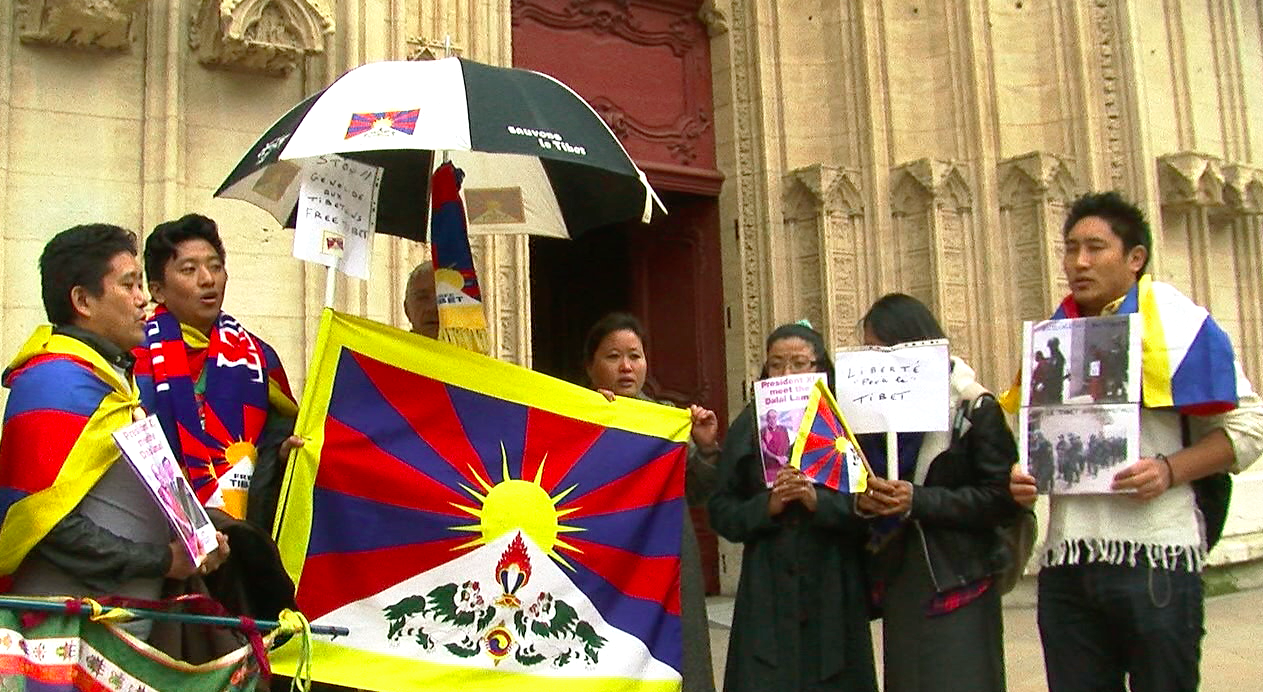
[516,504]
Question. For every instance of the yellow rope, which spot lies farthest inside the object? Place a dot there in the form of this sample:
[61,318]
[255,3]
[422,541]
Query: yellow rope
[295,623]
[100,614]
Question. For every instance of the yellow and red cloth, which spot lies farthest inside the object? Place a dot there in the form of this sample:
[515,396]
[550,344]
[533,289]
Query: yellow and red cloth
[65,401]
[1187,360]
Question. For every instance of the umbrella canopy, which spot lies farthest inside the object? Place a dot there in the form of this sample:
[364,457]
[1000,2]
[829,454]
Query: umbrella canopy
[537,158]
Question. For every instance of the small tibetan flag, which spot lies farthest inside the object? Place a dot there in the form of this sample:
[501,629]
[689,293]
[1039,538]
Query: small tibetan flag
[825,450]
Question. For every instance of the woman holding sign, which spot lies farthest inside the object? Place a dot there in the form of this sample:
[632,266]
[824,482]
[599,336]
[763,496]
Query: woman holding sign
[801,617]
[936,545]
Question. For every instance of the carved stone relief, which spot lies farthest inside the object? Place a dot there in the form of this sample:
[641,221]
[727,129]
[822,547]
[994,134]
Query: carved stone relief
[824,219]
[264,36]
[932,209]
[1036,190]
[422,48]
[1191,179]
[714,15]
[98,24]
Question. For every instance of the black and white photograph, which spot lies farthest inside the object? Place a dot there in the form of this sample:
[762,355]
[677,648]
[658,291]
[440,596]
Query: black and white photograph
[1093,360]
[1077,450]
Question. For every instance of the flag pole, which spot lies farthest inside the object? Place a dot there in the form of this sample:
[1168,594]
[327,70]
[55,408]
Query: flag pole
[72,606]
[892,455]
[330,282]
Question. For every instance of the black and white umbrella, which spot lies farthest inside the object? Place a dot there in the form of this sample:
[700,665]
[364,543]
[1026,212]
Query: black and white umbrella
[537,158]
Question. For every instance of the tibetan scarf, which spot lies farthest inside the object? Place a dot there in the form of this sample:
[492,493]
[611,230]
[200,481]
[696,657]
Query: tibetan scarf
[211,395]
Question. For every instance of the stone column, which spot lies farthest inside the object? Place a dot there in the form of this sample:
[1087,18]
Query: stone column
[1035,192]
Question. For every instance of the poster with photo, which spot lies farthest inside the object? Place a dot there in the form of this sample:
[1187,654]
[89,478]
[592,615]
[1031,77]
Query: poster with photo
[145,447]
[1089,360]
[1077,450]
[779,403]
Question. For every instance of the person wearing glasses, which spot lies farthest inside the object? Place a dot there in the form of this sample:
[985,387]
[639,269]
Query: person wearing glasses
[800,621]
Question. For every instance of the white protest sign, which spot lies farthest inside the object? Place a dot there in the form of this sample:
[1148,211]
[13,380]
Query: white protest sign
[337,213]
[900,388]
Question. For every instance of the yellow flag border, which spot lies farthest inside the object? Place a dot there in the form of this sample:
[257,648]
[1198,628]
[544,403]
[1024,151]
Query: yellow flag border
[344,665]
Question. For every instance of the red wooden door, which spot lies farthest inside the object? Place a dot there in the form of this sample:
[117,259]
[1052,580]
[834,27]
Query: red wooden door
[644,65]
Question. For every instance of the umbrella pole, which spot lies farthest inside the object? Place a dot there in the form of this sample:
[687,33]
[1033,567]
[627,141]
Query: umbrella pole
[329,284]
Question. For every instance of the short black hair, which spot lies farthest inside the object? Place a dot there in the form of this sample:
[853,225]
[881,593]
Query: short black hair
[1125,219]
[898,318]
[161,243]
[79,256]
[610,323]
[795,330]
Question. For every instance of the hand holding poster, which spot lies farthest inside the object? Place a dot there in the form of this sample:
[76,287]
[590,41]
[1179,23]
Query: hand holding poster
[145,447]
[337,214]
[779,403]
[901,388]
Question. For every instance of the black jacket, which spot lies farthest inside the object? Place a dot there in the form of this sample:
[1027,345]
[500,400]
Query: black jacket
[964,500]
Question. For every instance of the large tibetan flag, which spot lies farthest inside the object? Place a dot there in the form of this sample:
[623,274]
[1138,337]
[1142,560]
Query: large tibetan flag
[480,526]
[64,403]
[824,449]
[1186,363]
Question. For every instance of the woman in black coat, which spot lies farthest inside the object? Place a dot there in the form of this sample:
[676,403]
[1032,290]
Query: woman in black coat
[936,543]
[800,622]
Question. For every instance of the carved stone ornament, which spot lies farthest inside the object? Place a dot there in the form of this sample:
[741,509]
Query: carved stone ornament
[1243,189]
[830,189]
[1190,179]
[714,14]
[99,24]
[421,48]
[1037,175]
[918,184]
[265,36]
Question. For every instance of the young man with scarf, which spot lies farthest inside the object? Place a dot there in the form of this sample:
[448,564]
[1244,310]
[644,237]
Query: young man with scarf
[223,400]
[75,519]
[1120,591]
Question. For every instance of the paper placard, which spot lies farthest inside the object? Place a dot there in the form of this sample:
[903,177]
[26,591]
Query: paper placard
[779,403]
[900,388]
[337,214]
[1080,418]
[145,447]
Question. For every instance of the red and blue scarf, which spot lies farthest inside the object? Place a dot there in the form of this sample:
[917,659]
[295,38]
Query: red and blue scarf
[211,432]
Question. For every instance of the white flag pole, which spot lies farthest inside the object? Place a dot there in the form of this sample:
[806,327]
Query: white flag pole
[329,284]
[892,455]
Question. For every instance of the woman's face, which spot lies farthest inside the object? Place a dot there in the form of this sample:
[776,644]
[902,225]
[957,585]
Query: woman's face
[619,364]
[790,356]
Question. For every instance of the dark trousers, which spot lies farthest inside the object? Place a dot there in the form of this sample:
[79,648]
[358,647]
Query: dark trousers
[1102,623]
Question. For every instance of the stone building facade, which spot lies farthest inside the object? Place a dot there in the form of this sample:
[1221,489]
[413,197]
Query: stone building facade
[864,146]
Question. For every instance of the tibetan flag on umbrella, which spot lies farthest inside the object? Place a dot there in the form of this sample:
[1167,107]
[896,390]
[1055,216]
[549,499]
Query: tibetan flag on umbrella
[1186,361]
[480,526]
[825,450]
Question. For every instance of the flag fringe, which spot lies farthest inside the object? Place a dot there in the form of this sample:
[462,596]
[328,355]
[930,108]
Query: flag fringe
[469,338]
